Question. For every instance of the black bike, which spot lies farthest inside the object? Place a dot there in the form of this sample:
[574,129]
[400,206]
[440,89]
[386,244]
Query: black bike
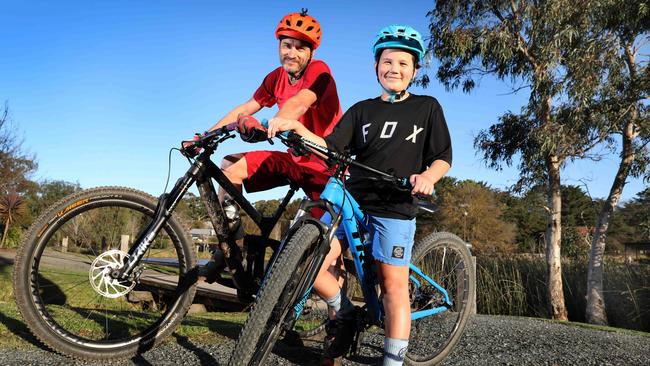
[109,272]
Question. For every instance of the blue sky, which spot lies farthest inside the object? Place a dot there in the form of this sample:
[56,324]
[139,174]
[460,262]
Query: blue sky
[101,91]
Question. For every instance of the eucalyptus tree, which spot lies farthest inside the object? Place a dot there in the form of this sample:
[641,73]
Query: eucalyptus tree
[547,48]
[15,164]
[620,109]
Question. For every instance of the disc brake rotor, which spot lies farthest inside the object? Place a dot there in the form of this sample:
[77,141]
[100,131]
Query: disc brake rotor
[100,275]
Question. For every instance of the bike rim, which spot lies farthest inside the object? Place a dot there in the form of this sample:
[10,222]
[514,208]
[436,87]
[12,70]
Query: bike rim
[61,274]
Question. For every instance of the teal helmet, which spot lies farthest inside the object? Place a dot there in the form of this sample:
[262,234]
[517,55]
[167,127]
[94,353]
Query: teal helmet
[401,37]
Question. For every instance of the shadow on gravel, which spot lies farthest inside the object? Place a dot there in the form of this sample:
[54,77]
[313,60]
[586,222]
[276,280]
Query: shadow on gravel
[140,361]
[204,357]
[299,355]
[365,358]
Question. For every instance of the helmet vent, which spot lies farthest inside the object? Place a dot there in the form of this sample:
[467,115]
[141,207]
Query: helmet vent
[287,22]
[299,23]
[310,28]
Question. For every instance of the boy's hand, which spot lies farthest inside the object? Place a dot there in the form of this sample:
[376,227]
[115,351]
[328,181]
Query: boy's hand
[279,124]
[421,184]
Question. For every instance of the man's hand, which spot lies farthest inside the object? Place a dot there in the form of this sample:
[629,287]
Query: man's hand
[188,150]
[250,129]
[421,184]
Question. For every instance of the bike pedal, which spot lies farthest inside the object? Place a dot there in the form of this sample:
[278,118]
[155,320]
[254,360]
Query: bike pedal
[291,338]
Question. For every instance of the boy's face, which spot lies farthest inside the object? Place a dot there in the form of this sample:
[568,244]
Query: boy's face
[395,69]
[294,55]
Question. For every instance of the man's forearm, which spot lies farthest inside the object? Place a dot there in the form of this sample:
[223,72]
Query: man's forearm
[250,107]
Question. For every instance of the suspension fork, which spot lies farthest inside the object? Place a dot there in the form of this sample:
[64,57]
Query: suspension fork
[166,205]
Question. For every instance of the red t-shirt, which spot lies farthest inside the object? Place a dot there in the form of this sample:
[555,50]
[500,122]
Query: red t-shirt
[322,116]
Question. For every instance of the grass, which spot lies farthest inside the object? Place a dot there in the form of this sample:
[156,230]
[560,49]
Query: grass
[597,327]
[207,328]
[516,285]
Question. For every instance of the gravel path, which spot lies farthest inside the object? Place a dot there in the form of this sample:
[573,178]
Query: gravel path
[488,340]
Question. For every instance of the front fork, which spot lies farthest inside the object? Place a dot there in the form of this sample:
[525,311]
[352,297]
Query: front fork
[166,205]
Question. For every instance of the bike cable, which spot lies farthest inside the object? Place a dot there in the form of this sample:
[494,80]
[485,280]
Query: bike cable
[169,167]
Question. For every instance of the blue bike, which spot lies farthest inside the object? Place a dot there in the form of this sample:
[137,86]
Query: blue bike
[442,280]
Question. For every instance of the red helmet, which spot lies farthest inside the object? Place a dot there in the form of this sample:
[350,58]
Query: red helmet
[300,26]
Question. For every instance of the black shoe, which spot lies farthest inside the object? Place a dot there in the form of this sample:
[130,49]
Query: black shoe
[209,272]
[340,336]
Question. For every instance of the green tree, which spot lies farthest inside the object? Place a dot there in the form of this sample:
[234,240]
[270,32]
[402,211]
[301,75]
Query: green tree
[192,209]
[48,193]
[577,207]
[428,223]
[529,215]
[620,109]
[548,47]
[473,211]
[632,222]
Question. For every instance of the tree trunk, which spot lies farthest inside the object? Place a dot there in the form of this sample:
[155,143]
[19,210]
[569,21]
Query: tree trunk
[553,240]
[595,311]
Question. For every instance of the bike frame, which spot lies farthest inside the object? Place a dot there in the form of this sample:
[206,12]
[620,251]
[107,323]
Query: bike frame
[201,172]
[355,223]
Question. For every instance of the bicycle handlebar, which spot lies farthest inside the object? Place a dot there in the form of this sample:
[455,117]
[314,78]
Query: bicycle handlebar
[291,139]
[190,148]
[300,145]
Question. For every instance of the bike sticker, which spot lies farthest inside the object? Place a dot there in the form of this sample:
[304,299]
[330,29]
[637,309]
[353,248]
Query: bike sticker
[70,207]
[42,230]
[398,252]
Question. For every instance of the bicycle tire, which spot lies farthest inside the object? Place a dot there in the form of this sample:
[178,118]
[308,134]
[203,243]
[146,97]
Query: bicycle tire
[274,299]
[314,317]
[62,290]
[445,258]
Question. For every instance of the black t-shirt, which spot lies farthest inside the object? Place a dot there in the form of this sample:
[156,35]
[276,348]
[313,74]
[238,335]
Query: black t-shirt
[402,138]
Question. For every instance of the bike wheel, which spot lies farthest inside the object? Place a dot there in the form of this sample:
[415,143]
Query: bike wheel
[275,298]
[61,277]
[446,259]
[314,316]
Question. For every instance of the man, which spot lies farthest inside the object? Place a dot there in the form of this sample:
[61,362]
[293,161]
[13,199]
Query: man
[304,90]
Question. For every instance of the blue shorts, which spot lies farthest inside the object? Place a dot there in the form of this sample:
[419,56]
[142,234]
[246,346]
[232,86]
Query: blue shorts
[392,239]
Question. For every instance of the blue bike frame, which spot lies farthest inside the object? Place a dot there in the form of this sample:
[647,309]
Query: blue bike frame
[352,217]
[355,223]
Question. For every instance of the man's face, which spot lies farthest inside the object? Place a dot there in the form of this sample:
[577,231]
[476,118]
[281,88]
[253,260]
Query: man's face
[395,69]
[294,55]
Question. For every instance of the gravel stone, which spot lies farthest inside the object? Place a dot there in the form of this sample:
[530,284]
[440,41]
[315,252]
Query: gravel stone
[488,340]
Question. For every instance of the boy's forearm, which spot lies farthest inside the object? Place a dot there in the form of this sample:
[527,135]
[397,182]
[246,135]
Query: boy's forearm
[304,132]
[437,170]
